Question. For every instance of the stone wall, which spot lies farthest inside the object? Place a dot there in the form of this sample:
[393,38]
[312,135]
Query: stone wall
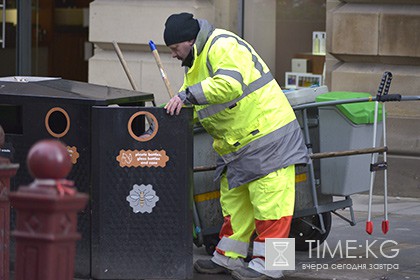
[133,23]
[365,39]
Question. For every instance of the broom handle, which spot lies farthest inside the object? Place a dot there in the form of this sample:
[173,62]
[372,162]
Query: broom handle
[160,66]
[124,65]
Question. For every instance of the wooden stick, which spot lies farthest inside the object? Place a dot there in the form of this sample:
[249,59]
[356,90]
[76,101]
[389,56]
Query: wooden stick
[124,65]
[160,67]
[127,72]
[349,153]
[318,156]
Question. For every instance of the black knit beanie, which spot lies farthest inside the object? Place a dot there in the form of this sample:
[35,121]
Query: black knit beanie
[180,28]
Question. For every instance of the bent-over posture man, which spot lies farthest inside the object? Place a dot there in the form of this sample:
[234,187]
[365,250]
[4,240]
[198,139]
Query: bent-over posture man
[256,134]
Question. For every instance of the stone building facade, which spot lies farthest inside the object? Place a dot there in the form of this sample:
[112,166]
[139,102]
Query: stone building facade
[364,39]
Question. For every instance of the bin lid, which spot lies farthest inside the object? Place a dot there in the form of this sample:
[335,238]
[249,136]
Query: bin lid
[38,88]
[357,113]
[304,95]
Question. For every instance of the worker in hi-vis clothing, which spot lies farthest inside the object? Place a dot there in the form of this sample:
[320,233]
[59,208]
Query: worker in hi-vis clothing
[255,132]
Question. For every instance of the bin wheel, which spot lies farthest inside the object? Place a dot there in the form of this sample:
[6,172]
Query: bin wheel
[210,242]
[302,231]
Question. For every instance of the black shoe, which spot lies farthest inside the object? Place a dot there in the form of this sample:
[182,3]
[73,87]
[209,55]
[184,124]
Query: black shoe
[209,267]
[250,274]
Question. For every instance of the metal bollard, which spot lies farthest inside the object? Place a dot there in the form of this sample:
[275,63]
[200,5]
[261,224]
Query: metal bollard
[46,210]
[7,170]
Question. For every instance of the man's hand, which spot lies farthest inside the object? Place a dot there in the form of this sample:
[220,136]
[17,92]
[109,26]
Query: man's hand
[174,105]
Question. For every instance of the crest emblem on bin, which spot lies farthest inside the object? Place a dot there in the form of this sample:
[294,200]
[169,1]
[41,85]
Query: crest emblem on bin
[142,198]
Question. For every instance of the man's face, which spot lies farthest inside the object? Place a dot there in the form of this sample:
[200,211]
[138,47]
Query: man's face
[181,50]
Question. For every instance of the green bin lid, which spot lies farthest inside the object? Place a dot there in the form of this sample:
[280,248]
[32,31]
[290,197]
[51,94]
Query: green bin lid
[357,113]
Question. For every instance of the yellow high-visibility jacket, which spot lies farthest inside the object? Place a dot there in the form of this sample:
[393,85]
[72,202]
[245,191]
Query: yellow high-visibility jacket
[242,107]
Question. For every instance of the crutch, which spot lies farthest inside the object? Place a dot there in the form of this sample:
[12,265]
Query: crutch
[381,95]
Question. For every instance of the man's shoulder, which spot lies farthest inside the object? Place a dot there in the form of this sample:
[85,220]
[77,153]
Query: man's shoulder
[221,31]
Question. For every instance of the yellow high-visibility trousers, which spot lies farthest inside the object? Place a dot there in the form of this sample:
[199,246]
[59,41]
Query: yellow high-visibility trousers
[264,205]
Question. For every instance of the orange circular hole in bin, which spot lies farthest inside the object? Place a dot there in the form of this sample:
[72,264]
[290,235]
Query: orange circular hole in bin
[138,121]
[57,122]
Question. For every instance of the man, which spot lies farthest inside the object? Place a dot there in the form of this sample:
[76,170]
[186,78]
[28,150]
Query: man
[256,134]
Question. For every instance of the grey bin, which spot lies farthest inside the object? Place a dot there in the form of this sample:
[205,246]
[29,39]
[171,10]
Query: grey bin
[343,176]
[206,190]
[304,95]
[303,189]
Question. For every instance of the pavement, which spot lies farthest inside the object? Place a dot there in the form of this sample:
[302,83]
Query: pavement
[350,253]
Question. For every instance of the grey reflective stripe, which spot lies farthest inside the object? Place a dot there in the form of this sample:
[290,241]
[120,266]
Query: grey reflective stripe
[261,142]
[182,95]
[257,63]
[255,85]
[197,92]
[258,249]
[229,263]
[231,245]
[233,74]
[209,67]
[258,83]
[253,164]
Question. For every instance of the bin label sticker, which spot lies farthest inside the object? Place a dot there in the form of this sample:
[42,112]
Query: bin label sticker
[74,155]
[142,158]
[142,198]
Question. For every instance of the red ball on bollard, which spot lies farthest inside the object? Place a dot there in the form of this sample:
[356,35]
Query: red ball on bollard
[46,210]
[49,159]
